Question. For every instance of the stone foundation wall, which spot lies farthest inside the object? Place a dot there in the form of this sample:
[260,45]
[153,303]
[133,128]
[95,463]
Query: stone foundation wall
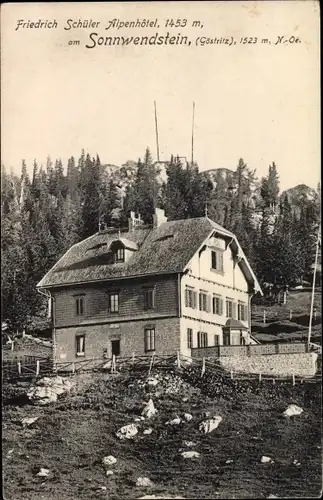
[301,365]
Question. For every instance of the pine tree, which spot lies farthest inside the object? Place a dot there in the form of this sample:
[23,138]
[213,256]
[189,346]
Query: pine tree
[146,188]
[270,187]
[90,211]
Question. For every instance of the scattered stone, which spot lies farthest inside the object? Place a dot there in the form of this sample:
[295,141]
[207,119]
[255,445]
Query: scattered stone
[190,454]
[189,444]
[127,432]
[229,461]
[144,481]
[152,381]
[293,410]
[188,417]
[137,419]
[109,473]
[142,418]
[148,431]
[10,452]
[149,410]
[297,463]
[272,496]
[110,460]
[184,400]
[153,497]
[266,460]
[102,488]
[43,472]
[48,389]
[210,424]
[175,421]
[28,421]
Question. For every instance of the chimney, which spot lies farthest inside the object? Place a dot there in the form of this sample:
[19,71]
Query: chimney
[159,217]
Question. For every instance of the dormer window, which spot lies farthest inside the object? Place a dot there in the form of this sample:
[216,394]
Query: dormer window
[119,255]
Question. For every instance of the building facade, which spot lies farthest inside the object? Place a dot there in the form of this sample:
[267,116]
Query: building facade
[150,289]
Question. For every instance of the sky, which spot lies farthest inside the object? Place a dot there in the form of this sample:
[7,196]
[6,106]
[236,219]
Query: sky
[252,101]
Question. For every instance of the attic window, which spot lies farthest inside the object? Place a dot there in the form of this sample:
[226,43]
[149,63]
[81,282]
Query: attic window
[166,237]
[119,255]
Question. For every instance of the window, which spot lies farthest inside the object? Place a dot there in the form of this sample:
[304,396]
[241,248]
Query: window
[80,345]
[114,302]
[204,300]
[149,339]
[149,298]
[189,338]
[242,311]
[190,297]
[120,255]
[217,260]
[79,302]
[231,309]
[217,305]
[202,340]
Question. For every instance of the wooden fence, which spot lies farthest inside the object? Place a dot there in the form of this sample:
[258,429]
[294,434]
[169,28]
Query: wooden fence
[32,367]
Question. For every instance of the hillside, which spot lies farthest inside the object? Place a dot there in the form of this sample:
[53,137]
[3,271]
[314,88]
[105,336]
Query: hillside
[71,437]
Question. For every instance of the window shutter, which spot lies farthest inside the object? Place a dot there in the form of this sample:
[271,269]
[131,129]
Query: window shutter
[245,313]
[221,306]
[221,261]
[200,301]
[234,310]
[186,297]
[208,303]
[194,300]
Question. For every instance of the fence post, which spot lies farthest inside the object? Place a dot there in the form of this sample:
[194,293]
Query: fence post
[203,367]
[264,318]
[293,379]
[113,366]
[231,374]
[37,367]
[178,360]
[151,364]
[273,381]
[19,367]
[73,367]
[12,344]
[259,377]
[290,315]
[133,358]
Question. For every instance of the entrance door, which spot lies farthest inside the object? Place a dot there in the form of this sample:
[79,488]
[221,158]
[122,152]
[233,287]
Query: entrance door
[115,347]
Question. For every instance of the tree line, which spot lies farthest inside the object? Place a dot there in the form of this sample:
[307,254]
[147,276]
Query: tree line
[47,212]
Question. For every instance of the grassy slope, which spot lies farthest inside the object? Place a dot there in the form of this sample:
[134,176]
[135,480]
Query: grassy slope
[278,323]
[73,435]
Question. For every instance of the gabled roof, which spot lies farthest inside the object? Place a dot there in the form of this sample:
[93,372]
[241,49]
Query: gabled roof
[165,249]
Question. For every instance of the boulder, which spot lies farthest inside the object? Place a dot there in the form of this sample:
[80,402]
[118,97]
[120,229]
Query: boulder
[152,381]
[109,460]
[127,431]
[43,473]
[190,454]
[144,481]
[266,460]
[210,424]
[149,410]
[188,417]
[47,389]
[293,410]
[109,473]
[148,431]
[29,421]
[175,421]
